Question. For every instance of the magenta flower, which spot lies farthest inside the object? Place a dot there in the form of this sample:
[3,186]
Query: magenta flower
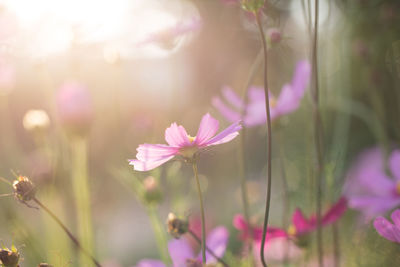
[74,105]
[388,230]
[150,156]
[368,188]
[287,102]
[182,254]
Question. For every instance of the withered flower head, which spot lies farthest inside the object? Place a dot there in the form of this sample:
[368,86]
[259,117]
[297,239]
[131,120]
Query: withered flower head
[176,226]
[24,189]
[9,258]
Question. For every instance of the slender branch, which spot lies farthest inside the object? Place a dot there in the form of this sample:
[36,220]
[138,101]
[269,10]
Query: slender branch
[269,139]
[68,232]
[317,137]
[203,221]
[198,240]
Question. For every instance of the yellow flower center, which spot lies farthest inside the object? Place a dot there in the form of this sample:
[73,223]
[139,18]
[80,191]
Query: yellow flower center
[272,101]
[191,138]
[398,188]
[292,230]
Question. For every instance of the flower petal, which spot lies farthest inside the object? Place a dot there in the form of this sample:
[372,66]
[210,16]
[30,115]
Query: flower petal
[396,218]
[300,222]
[180,251]
[394,163]
[226,135]
[148,165]
[386,229]
[288,101]
[239,222]
[207,129]
[301,78]
[150,263]
[217,241]
[228,113]
[149,152]
[335,212]
[176,136]
[232,97]
[373,206]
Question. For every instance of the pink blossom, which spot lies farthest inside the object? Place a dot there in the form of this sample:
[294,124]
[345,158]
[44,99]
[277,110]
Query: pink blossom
[287,102]
[150,156]
[74,106]
[369,188]
[389,230]
[181,253]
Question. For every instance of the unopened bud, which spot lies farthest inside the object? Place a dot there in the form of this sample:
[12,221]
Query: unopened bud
[24,189]
[274,35]
[9,258]
[176,226]
[152,193]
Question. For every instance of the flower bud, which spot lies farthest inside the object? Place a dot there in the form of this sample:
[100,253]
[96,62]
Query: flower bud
[24,189]
[9,258]
[152,193]
[44,265]
[75,107]
[176,226]
[36,120]
[274,35]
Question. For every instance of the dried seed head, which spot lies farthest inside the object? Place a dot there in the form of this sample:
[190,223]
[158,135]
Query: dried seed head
[24,189]
[9,258]
[176,226]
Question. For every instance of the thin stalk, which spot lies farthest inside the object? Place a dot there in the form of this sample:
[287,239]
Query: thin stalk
[203,220]
[198,240]
[68,232]
[81,190]
[336,245]
[159,233]
[317,137]
[269,139]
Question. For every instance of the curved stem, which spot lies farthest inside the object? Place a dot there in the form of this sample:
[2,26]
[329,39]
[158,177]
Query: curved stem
[198,240]
[269,140]
[68,232]
[203,220]
[317,137]
[161,239]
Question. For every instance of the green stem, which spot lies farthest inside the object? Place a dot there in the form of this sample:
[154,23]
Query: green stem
[269,140]
[80,184]
[317,137]
[336,245]
[159,233]
[203,221]
[68,232]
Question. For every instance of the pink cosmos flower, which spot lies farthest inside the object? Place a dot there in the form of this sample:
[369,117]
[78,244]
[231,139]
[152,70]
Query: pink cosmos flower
[287,102]
[150,156]
[182,254]
[389,230]
[369,188]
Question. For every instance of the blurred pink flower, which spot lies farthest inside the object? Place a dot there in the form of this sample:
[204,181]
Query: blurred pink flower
[150,156]
[7,77]
[169,35]
[389,230]
[368,188]
[181,253]
[287,102]
[74,105]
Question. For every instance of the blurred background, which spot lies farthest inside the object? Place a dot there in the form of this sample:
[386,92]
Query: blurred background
[107,76]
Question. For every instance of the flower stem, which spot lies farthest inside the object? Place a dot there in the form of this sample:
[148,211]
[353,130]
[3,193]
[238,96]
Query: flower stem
[317,136]
[159,233]
[81,190]
[336,245]
[198,240]
[269,139]
[68,232]
[203,221]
